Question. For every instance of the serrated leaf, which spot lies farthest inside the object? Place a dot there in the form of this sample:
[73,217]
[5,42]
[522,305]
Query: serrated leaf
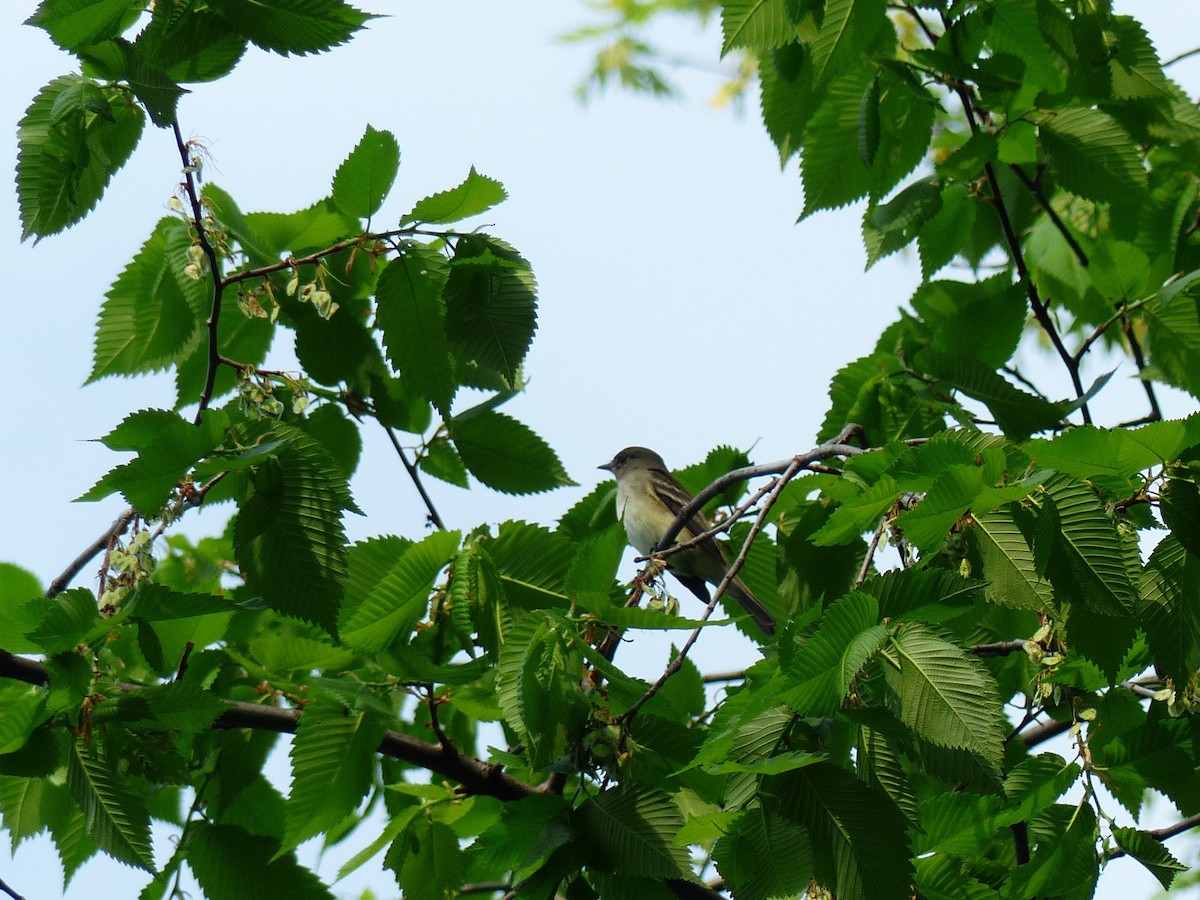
[830,166]
[364,178]
[945,694]
[399,598]
[116,818]
[632,831]
[860,845]
[1065,862]
[891,226]
[412,316]
[828,662]
[1167,611]
[433,861]
[71,141]
[292,26]
[333,764]
[1151,853]
[1009,567]
[73,24]
[288,533]
[476,195]
[1018,413]
[168,448]
[491,305]
[764,855]
[1092,155]
[231,864]
[198,45]
[506,455]
[848,28]
[755,24]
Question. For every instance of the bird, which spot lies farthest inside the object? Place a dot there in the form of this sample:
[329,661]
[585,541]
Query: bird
[648,499]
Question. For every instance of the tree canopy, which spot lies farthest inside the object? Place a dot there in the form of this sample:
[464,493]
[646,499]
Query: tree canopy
[890,740]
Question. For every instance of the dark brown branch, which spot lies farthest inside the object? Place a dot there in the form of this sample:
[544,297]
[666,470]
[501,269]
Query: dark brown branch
[475,776]
[1000,648]
[865,569]
[4,887]
[59,584]
[1040,309]
[214,265]
[416,480]
[1035,188]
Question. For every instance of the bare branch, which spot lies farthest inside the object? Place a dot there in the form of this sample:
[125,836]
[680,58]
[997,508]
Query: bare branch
[214,265]
[59,584]
[416,479]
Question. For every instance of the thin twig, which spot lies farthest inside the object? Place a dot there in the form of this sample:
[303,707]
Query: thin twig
[214,265]
[59,584]
[722,677]
[1035,188]
[1187,54]
[434,722]
[871,548]
[1000,648]
[416,479]
[4,887]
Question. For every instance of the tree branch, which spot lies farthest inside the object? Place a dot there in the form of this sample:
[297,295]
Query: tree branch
[1040,309]
[474,775]
[1035,188]
[416,479]
[59,584]
[214,265]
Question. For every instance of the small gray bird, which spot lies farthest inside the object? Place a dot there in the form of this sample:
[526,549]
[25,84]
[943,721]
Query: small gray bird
[648,499]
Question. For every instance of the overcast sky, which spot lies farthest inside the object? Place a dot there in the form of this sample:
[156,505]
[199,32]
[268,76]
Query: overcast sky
[681,307]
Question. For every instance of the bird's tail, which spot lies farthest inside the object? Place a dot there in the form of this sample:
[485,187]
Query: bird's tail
[762,618]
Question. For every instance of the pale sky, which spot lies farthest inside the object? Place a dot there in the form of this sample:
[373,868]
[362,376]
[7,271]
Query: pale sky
[681,307]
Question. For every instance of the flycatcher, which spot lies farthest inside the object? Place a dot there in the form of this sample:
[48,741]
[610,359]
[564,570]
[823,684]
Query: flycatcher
[648,499]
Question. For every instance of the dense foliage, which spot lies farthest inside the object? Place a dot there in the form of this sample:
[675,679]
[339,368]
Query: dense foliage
[889,741]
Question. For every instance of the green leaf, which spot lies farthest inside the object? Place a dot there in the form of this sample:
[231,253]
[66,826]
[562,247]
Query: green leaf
[292,26]
[1009,567]
[73,24]
[755,24]
[1019,414]
[537,686]
[1092,155]
[333,767]
[18,615]
[506,455]
[442,461]
[1167,611]
[304,231]
[848,29]
[68,620]
[288,532]
[412,317]
[433,861]
[940,239]
[116,818]
[1151,853]
[788,98]
[632,831]
[1065,862]
[945,694]
[830,166]
[1015,29]
[954,309]
[1180,508]
[168,447]
[71,141]
[196,45]
[364,178]
[894,225]
[399,597]
[860,846]
[828,662]
[231,864]
[491,305]
[476,195]
[764,855]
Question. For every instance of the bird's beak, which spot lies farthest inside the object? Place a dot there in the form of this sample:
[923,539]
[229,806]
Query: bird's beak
[608,466]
